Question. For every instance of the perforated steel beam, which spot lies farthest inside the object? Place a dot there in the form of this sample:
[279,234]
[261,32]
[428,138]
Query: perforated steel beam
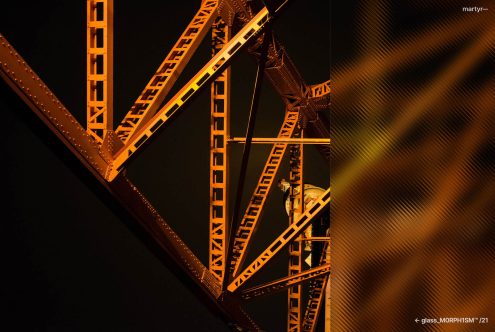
[315,303]
[167,244]
[285,238]
[166,75]
[319,96]
[316,293]
[254,209]
[319,90]
[24,81]
[276,140]
[285,283]
[208,73]
[98,156]
[219,158]
[283,74]
[99,67]
[327,296]
[296,197]
[247,148]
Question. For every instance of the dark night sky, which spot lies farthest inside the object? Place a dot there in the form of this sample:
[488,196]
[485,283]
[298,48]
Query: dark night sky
[68,263]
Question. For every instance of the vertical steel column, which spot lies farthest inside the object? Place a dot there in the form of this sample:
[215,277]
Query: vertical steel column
[295,247]
[219,133]
[327,293]
[317,291]
[99,40]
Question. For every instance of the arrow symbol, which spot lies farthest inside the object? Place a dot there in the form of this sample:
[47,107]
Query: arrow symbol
[416,320]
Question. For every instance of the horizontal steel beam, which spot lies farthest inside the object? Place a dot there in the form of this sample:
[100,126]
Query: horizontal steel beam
[315,238]
[276,140]
[284,75]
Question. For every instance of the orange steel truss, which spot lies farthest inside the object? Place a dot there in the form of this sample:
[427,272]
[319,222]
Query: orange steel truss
[287,236]
[104,153]
[256,203]
[99,68]
[212,69]
[320,271]
[219,176]
[316,293]
[295,248]
[159,85]
[320,90]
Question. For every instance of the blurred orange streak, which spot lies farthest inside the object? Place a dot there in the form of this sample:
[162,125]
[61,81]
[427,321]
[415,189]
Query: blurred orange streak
[431,219]
[408,51]
[448,77]
[430,149]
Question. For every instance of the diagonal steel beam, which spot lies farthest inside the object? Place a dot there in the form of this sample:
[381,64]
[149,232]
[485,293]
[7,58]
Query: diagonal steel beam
[256,204]
[284,239]
[121,194]
[285,283]
[247,149]
[166,75]
[282,73]
[208,73]
[24,81]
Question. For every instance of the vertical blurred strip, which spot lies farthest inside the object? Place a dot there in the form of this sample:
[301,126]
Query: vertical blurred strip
[413,166]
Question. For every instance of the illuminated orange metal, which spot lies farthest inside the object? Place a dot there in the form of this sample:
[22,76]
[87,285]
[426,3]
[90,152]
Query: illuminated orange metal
[327,297]
[24,81]
[279,243]
[327,294]
[296,195]
[45,105]
[99,38]
[219,176]
[96,147]
[277,140]
[205,75]
[284,283]
[315,238]
[319,97]
[319,90]
[158,87]
[250,219]
[316,293]
[317,290]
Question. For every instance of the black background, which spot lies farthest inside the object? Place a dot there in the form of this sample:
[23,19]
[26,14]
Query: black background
[67,262]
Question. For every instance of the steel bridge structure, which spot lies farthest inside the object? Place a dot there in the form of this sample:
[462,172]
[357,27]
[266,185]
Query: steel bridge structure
[104,149]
